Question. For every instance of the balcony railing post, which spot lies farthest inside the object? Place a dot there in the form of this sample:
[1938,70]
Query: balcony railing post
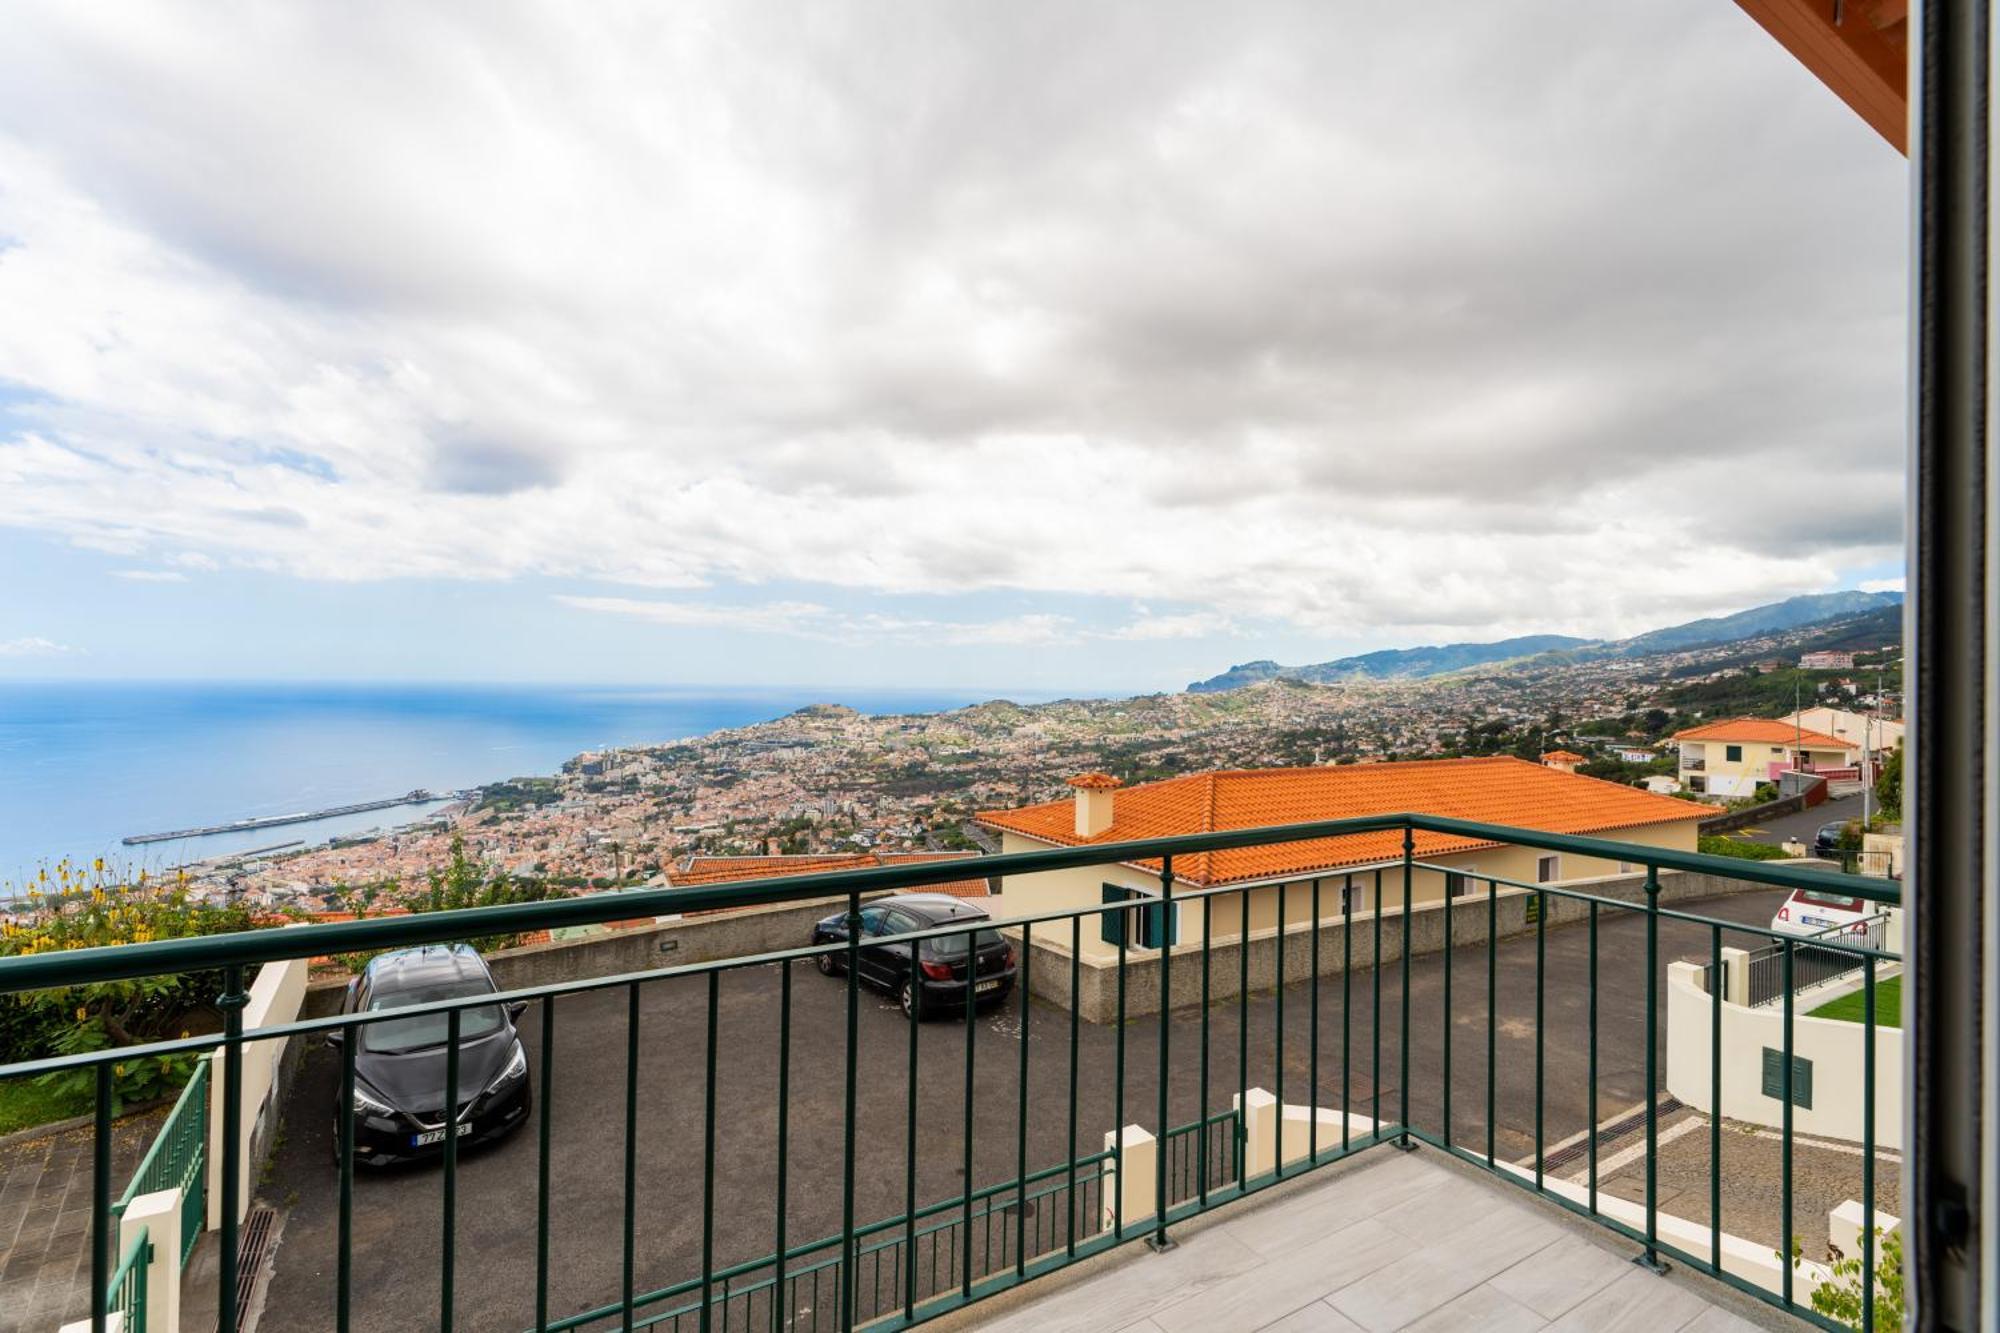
[1651,1258]
[708,1158]
[344,1280]
[1403,1056]
[1167,935]
[448,1247]
[232,1002]
[1025,990]
[102,1240]
[847,1250]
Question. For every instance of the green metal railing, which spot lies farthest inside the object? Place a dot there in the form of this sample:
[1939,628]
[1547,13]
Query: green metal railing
[178,1160]
[931,1257]
[125,1294]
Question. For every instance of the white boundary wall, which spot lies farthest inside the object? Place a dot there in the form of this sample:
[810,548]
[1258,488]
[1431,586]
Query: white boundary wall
[275,997]
[1833,1045]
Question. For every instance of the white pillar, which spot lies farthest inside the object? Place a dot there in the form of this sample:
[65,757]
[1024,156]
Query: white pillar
[1736,962]
[1843,1228]
[159,1215]
[1128,1195]
[1259,1110]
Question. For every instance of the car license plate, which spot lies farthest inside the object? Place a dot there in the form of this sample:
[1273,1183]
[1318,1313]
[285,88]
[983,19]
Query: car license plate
[985,986]
[1819,921]
[427,1138]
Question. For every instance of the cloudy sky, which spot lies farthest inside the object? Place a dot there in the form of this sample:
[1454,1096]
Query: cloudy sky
[1027,344]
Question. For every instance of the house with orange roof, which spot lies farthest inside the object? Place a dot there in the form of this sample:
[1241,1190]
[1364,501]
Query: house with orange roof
[1730,758]
[1356,873]
[1563,761]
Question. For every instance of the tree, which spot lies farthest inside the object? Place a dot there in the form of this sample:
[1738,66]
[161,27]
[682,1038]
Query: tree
[1889,784]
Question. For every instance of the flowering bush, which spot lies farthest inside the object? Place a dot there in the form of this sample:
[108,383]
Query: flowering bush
[70,906]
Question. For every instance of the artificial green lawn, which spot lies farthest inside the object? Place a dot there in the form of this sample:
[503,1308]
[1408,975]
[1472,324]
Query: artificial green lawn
[1888,1005]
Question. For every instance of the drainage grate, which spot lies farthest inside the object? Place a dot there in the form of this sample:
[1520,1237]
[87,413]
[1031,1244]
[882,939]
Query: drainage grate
[253,1246]
[1611,1133]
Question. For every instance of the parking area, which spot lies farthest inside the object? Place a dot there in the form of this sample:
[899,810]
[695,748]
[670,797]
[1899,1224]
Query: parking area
[397,1252]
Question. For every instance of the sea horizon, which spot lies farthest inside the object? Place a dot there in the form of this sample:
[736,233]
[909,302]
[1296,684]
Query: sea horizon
[85,764]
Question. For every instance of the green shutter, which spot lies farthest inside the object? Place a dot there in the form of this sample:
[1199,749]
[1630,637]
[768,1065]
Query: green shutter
[1774,1078]
[1161,926]
[1111,925]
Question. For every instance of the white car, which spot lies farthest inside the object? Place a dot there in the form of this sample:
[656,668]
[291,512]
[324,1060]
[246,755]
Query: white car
[1810,912]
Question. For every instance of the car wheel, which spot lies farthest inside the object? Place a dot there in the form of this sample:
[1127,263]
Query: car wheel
[906,996]
[824,962]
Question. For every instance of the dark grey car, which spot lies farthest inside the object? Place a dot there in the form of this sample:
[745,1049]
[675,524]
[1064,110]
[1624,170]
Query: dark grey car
[926,976]
[398,1111]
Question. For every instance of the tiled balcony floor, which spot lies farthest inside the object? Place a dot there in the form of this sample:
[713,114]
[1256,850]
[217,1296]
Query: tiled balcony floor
[1397,1241]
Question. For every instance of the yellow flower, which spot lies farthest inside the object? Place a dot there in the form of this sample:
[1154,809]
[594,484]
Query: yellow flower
[82,1013]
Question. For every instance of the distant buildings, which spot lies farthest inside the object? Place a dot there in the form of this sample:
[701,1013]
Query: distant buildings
[1826,661]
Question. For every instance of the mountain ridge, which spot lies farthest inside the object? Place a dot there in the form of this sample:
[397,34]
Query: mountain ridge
[1441,659]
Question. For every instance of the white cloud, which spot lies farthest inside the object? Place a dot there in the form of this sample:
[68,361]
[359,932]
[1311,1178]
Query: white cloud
[1194,625]
[150,575]
[1225,309]
[1883,585]
[35,647]
[807,620]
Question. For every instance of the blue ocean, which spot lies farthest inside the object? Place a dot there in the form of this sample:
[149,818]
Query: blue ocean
[84,765]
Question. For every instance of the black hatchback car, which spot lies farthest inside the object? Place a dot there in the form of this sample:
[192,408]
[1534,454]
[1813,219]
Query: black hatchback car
[926,976]
[399,1064]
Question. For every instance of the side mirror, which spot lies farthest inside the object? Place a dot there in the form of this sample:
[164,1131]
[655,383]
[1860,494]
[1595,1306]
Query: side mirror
[515,1008]
[336,1038]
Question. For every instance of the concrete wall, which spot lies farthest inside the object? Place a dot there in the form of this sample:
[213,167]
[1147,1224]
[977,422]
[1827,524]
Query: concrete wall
[1757,814]
[1834,1047]
[1097,977]
[276,997]
[696,939]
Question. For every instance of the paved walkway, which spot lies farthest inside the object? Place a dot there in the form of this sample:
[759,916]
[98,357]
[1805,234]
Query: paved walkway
[45,1196]
[1399,1242]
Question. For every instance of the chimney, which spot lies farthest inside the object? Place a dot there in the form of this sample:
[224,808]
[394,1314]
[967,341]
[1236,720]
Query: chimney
[1093,802]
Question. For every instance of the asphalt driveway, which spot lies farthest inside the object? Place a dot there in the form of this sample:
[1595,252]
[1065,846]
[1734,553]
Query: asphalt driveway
[397,1214]
[1805,823]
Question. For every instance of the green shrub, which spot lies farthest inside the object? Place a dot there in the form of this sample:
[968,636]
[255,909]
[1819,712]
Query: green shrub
[1842,1295]
[1713,844]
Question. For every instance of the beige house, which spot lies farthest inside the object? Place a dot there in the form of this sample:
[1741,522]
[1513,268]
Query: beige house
[1359,872]
[1874,735]
[1728,759]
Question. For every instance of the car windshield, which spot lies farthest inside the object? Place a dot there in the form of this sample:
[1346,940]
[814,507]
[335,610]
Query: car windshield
[953,946]
[421,1031]
[1837,901]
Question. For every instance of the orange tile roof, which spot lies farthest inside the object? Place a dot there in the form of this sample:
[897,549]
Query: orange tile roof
[1763,731]
[1563,757]
[735,869]
[1095,781]
[1496,790]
